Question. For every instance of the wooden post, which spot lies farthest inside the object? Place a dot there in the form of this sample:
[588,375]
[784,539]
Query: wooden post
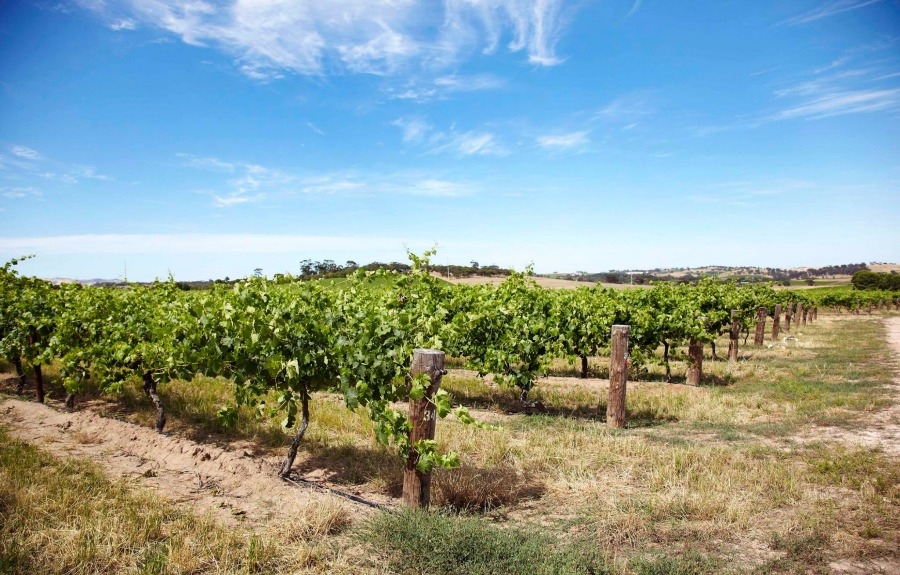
[797,313]
[422,419]
[787,316]
[760,326]
[869,308]
[880,305]
[816,313]
[39,383]
[695,362]
[805,313]
[776,323]
[618,376]
[733,335]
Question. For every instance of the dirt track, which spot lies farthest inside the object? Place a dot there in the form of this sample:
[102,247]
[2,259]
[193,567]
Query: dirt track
[231,485]
[881,428]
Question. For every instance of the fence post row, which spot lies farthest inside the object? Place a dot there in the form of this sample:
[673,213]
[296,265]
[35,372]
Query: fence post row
[423,420]
[618,376]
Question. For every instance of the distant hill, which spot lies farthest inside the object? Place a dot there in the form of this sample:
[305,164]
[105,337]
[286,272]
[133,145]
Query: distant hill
[826,275]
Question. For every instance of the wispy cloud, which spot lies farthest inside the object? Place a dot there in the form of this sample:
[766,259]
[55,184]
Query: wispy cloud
[25,152]
[89,172]
[315,128]
[835,89]
[751,193]
[248,183]
[271,38]
[410,183]
[21,192]
[838,102]
[442,87]
[206,163]
[417,131]
[827,10]
[625,109]
[427,89]
[254,183]
[26,163]
[471,144]
[123,24]
[414,129]
[841,88]
[563,141]
[634,9]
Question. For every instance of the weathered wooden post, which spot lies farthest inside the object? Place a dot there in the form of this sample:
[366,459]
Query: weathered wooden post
[805,313]
[797,314]
[618,376]
[694,362]
[880,305]
[760,326]
[733,335]
[787,316]
[816,313]
[776,323]
[869,308]
[422,419]
[39,383]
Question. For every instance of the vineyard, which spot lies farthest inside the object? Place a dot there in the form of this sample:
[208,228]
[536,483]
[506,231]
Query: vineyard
[285,350]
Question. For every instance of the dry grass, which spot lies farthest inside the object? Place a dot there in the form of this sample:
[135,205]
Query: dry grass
[68,517]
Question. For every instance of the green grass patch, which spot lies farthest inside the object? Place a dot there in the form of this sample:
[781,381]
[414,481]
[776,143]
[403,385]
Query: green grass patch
[434,544]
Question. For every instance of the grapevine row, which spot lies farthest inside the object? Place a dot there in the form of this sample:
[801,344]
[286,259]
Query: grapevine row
[296,338]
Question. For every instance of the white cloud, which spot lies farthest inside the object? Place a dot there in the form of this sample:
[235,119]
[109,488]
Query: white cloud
[563,141]
[440,188]
[207,163]
[469,83]
[315,128]
[235,198]
[751,193]
[271,37]
[414,129]
[331,184]
[123,24]
[826,10]
[634,9]
[835,90]
[88,172]
[25,152]
[840,102]
[472,144]
[421,90]
[20,192]
[626,109]
[252,183]
[64,178]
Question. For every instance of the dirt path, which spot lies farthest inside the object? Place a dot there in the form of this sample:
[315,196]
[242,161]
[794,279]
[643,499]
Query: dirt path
[230,484]
[882,428]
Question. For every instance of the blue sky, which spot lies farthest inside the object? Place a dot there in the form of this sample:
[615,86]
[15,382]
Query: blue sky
[208,138]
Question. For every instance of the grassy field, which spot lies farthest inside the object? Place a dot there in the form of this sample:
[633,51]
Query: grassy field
[723,478]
